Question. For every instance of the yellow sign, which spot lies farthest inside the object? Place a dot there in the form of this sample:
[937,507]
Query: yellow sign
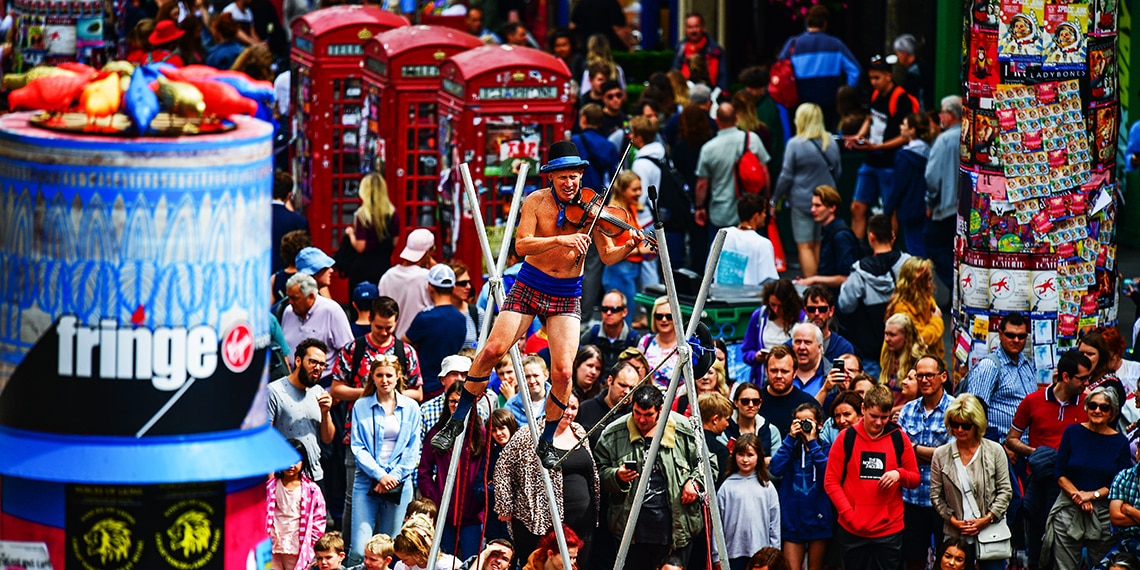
[364,34]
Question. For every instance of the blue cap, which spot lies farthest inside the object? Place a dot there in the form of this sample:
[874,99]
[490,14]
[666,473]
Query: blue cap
[312,260]
[364,293]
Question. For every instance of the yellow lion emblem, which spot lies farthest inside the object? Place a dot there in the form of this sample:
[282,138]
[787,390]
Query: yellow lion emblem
[190,533]
[110,540]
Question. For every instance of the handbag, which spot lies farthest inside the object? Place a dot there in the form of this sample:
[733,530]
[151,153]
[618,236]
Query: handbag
[392,496]
[993,542]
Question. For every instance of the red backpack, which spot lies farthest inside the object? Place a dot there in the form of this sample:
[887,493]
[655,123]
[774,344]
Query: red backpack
[751,176]
[782,81]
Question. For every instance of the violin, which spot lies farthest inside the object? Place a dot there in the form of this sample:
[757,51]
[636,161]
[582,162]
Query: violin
[612,221]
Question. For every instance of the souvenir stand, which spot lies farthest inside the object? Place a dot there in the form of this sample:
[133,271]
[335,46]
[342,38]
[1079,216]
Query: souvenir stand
[328,46]
[499,106]
[400,131]
[1038,194]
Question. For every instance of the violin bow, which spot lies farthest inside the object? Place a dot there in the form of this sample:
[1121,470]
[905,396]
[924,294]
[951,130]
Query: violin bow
[606,195]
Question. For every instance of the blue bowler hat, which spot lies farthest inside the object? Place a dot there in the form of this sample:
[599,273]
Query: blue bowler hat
[563,155]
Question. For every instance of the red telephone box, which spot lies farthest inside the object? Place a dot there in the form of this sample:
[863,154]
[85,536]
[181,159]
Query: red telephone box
[402,82]
[499,106]
[328,46]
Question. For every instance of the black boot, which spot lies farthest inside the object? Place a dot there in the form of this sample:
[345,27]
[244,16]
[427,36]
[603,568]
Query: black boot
[445,438]
[546,454]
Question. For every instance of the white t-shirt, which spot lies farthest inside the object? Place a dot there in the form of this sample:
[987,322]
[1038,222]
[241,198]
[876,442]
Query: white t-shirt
[240,16]
[748,258]
[408,286]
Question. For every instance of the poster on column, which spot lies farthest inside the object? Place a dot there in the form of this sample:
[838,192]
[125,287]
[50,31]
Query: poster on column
[1064,39]
[982,78]
[1021,39]
[1102,70]
[973,280]
[1009,282]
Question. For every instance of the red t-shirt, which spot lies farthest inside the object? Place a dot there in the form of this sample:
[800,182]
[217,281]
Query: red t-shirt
[1045,418]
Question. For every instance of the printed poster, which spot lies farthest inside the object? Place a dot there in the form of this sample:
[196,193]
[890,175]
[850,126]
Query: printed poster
[1102,70]
[983,75]
[1064,38]
[1020,35]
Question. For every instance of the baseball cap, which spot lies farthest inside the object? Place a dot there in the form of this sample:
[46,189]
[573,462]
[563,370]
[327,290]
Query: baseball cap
[312,260]
[419,242]
[441,275]
[879,63]
[454,363]
[364,293]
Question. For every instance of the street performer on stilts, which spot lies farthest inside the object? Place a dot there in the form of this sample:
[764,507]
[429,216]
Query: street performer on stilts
[549,284]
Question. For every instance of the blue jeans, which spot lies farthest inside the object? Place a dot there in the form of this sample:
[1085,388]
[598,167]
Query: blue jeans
[939,237]
[373,515]
[873,183]
[469,536]
[623,276]
[915,240]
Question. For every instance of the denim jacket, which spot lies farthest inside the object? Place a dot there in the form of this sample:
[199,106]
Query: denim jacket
[365,442]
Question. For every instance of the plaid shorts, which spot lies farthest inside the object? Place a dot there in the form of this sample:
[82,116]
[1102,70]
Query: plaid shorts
[527,300]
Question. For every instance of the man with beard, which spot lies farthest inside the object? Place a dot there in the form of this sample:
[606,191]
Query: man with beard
[298,407]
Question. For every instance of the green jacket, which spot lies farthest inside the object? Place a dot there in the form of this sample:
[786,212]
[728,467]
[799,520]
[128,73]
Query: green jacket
[679,459]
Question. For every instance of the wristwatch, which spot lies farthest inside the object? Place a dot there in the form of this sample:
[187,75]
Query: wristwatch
[1096,494]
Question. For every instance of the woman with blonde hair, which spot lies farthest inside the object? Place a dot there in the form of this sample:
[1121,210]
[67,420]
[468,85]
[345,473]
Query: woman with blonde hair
[902,347]
[372,233]
[969,478]
[811,159]
[658,347]
[680,88]
[744,105]
[914,297]
[598,50]
[625,275]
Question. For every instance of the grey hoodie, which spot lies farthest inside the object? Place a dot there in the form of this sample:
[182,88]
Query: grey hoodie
[872,280]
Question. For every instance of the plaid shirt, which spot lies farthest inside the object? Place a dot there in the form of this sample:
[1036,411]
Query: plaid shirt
[1001,385]
[1126,487]
[928,429]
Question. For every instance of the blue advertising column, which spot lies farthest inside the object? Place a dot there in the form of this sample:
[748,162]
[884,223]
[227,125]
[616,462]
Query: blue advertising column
[133,342]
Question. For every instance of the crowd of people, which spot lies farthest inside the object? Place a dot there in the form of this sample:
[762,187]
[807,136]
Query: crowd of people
[847,444]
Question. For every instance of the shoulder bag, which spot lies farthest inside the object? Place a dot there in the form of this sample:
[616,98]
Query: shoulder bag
[993,542]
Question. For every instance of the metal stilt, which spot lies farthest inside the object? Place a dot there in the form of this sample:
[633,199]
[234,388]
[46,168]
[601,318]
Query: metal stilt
[497,296]
[686,368]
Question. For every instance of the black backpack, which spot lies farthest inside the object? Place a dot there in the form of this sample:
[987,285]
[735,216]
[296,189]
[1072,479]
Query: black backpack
[674,197]
[848,436]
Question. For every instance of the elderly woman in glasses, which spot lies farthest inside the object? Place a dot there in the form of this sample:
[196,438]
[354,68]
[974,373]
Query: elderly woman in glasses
[1090,455]
[969,478]
[658,347]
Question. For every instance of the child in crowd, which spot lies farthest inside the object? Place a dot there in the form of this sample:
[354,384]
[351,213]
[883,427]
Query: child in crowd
[378,553]
[295,515]
[749,505]
[806,511]
[716,411]
[329,552]
[413,545]
[421,506]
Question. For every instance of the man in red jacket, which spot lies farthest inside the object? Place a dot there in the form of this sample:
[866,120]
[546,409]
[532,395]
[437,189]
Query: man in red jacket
[867,467]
